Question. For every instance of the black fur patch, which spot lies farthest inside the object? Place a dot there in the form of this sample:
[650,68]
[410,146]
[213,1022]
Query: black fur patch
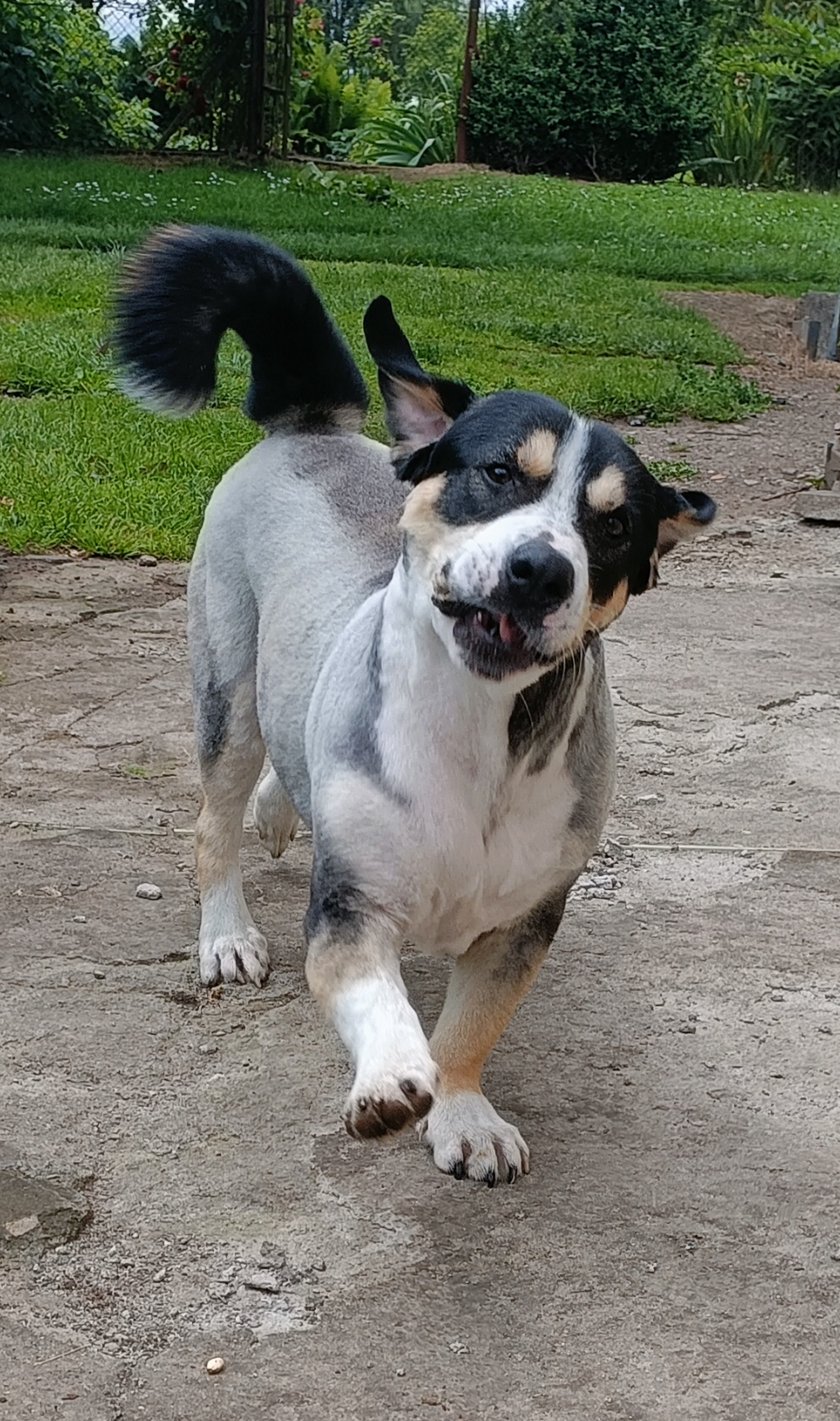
[212,720]
[541,714]
[337,905]
[188,285]
[531,937]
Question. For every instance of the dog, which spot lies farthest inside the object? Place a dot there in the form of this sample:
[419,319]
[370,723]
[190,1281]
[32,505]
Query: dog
[420,657]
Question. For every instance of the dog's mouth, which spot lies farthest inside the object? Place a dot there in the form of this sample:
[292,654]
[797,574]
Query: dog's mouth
[492,643]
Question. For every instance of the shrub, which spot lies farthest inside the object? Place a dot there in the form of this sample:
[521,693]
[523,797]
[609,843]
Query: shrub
[592,88]
[786,70]
[59,78]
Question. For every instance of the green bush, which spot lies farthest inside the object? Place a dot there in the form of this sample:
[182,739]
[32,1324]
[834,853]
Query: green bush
[59,81]
[592,88]
[782,77]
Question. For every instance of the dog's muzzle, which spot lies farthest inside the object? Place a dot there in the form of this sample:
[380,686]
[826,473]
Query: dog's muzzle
[504,633]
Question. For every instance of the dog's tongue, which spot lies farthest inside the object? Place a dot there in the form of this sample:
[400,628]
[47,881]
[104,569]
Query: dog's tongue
[509,632]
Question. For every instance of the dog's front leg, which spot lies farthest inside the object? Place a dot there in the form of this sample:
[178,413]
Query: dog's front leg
[353,970]
[465,1134]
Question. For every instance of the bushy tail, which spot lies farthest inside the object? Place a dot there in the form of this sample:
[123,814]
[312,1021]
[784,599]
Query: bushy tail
[187,285]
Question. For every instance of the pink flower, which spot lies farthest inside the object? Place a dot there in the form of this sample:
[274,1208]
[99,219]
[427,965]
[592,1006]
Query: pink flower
[375,42]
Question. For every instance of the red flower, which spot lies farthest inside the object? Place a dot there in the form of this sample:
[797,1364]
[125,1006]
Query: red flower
[174,54]
[375,42]
[181,82]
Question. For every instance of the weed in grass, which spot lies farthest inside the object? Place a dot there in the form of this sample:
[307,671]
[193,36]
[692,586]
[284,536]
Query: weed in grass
[674,471]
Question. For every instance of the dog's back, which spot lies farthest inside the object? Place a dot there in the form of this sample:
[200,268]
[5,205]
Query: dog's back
[300,532]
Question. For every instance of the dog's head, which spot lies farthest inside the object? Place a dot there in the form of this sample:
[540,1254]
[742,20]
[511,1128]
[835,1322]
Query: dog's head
[527,526]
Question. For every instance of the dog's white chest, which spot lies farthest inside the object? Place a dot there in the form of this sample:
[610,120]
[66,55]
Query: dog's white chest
[484,872]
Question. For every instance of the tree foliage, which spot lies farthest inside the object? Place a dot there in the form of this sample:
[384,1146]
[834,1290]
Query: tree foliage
[60,81]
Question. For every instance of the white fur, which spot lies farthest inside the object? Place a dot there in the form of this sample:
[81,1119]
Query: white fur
[383,1034]
[275,816]
[230,948]
[463,1128]
[463,852]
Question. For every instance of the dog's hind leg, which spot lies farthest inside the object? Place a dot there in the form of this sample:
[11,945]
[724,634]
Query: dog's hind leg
[464,1132]
[230,754]
[275,816]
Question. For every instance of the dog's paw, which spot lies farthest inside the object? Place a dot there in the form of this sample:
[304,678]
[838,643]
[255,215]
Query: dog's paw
[386,1103]
[275,816]
[470,1140]
[234,957]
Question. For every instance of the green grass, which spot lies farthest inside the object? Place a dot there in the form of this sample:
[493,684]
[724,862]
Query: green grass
[499,281]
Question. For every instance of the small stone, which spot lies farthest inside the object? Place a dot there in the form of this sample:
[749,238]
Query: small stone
[835,1256]
[215,1365]
[651,1267]
[208,1049]
[147,560]
[777,996]
[688,1028]
[99,974]
[148,890]
[160,1276]
[400,1371]
[79,918]
[264,1282]
[825,1029]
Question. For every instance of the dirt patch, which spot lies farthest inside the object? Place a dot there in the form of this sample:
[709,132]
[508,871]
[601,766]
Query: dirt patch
[757,467]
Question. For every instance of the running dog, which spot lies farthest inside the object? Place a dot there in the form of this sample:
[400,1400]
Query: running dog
[419,656]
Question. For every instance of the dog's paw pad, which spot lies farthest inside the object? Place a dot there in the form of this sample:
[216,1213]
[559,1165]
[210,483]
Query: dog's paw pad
[236,957]
[389,1105]
[469,1140]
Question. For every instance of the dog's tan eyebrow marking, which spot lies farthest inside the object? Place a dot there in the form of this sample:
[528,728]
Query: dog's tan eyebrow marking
[608,491]
[421,519]
[536,454]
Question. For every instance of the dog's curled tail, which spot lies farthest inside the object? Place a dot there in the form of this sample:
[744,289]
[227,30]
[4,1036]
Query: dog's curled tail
[187,285]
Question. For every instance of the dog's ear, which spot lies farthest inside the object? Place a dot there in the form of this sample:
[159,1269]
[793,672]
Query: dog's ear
[682,514]
[419,407]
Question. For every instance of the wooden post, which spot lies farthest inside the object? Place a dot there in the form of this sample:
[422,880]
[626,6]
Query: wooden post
[461,136]
[288,59]
[256,78]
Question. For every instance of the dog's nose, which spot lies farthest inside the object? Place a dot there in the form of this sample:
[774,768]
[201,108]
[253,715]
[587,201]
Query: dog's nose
[538,575]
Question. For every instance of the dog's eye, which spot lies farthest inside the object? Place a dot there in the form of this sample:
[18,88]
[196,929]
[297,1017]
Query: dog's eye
[498,474]
[615,525]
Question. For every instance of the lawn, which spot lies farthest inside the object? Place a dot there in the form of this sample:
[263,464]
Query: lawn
[500,281]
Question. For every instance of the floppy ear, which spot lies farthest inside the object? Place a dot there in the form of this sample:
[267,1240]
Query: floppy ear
[682,513]
[419,407]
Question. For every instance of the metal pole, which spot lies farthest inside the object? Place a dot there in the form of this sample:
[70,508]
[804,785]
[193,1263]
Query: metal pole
[461,138]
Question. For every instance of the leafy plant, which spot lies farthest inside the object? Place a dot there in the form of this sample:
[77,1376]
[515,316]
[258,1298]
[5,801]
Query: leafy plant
[777,115]
[747,146]
[59,80]
[413,134]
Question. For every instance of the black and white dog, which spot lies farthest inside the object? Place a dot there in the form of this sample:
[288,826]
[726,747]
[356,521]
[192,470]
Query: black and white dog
[424,672]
